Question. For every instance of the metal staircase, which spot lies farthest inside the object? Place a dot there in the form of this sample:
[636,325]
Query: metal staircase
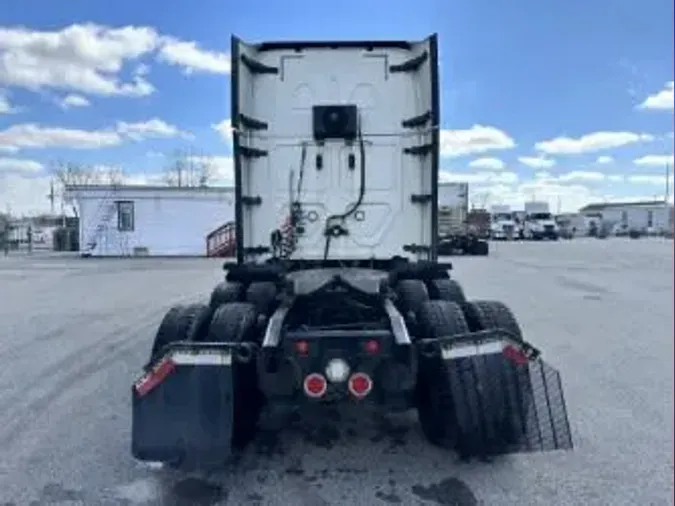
[106,210]
[222,242]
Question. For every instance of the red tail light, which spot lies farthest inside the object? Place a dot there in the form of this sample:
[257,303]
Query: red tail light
[515,355]
[360,385]
[372,347]
[315,385]
[302,347]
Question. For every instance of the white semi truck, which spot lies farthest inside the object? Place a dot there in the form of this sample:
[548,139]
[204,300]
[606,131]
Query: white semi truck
[503,226]
[337,294]
[539,223]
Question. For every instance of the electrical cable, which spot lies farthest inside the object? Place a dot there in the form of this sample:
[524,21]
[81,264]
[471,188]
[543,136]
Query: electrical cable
[362,191]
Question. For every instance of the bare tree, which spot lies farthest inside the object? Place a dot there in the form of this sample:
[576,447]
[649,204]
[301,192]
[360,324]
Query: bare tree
[113,174]
[189,170]
[205,171]
[73,174]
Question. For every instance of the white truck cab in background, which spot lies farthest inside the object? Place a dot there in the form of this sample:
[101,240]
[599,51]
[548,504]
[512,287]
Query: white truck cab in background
[539,222]
[502,224]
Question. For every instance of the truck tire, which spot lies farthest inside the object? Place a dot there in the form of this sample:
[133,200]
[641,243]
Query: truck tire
[262,295]
[181,323]
[511,392]
[492,314]
[411,294]
[435,403]
[446,289]
[481,248]
[231,322]
[236,322]
[224,292]
[167,332]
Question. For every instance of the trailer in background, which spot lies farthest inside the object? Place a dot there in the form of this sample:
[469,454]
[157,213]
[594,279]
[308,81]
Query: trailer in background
[457,232]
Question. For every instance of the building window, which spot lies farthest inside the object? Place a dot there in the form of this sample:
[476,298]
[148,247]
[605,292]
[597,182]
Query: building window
[650,218]
[125,216]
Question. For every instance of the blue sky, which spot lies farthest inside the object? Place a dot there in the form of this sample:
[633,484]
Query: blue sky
[564,101]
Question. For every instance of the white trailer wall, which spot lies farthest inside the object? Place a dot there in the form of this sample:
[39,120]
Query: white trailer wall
[167,221]
[641,218]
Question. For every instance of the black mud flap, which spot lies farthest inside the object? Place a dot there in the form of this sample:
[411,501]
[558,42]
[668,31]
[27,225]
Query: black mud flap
[504,397]
[184,406]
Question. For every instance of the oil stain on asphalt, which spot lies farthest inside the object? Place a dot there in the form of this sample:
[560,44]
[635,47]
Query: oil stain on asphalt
[449,492]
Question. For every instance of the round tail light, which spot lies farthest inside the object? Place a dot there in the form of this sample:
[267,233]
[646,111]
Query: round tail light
[315,385]
[360,385]
[372,347]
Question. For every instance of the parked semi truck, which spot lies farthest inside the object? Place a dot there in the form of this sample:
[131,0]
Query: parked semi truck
[458,230]
[503,226]
[539,223]
[337,294]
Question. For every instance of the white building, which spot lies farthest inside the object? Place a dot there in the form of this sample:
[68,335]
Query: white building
[648,216]
[122,220]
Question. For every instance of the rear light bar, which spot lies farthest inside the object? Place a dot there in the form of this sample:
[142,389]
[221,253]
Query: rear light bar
[167,365]
[156,376]
[510,350]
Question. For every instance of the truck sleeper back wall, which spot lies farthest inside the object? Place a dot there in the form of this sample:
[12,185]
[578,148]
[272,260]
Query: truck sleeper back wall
[282,170]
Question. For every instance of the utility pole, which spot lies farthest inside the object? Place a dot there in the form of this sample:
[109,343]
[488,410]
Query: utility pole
[667,194]
[50,196]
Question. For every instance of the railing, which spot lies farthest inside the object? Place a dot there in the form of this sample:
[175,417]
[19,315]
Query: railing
[222,241]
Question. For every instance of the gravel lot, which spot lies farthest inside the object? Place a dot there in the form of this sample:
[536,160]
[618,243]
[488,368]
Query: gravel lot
[75,332]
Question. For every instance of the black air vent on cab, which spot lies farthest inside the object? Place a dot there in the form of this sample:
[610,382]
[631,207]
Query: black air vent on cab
[334,122]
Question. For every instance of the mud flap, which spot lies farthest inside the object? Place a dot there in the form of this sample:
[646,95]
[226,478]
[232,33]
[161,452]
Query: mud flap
[183,407]
[504,397]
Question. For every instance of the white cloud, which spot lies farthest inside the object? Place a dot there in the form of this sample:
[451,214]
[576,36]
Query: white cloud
[588,143]
[567,197]
[90,58]
[19,165]
[152,128]
[657,179]
[24,195]
[224,128]
[86,58]
[477,139]
[662,100]
[537,162]
[604,160]
[487,164]
[581,175]
[654,160]
[569,191]
[5,105]
[31,135]
[73,100]
[191,58]
[479,177]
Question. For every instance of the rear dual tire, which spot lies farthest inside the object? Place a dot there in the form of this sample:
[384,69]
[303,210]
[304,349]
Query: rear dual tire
[233,322]
[470,410]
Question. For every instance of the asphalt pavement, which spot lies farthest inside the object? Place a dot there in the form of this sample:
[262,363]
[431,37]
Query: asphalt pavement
[75,332]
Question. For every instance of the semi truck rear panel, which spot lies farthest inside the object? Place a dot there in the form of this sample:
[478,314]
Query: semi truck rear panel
[284,156]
